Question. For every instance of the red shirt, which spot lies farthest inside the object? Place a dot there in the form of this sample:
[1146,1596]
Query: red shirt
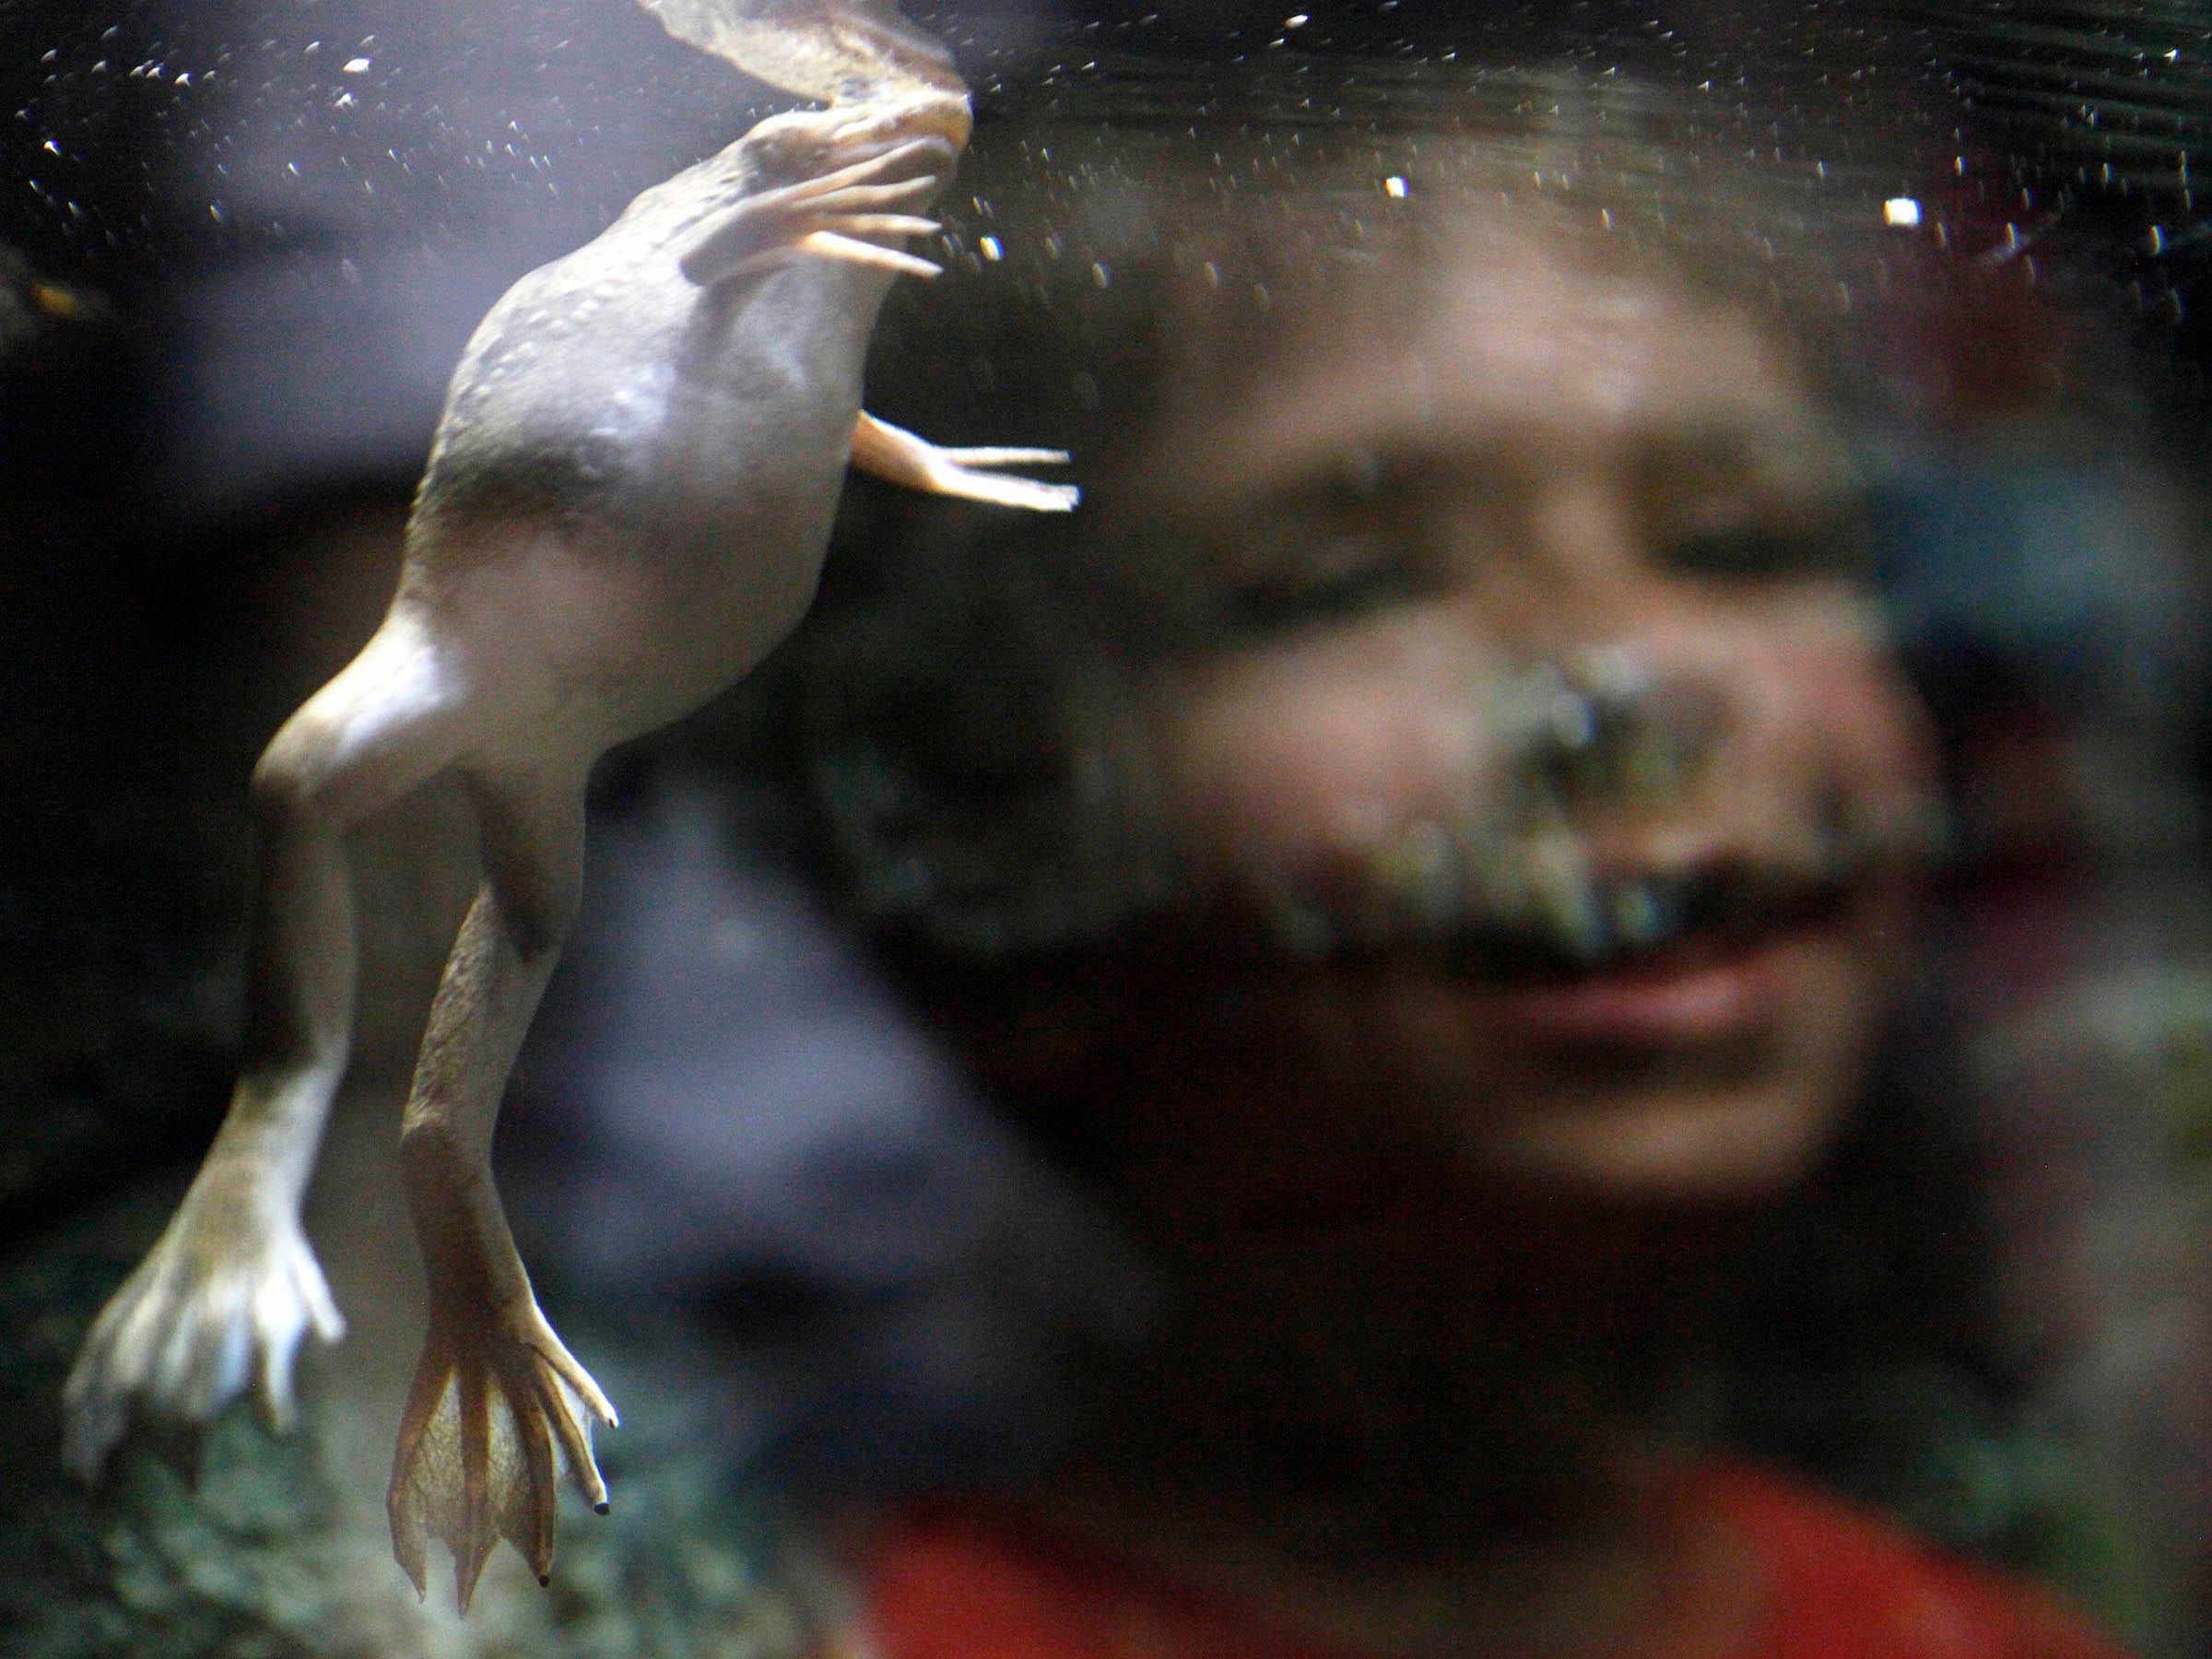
[946,1582]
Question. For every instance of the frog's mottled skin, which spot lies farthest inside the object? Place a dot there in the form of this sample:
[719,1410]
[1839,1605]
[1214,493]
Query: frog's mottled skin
[625,508]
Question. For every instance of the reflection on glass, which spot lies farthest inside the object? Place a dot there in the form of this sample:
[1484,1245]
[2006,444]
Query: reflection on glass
[1536,990]
[1457,854]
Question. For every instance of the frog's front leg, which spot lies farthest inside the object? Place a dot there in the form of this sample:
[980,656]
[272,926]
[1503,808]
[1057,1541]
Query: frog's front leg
[898,456]
[498,1403]
[831,216]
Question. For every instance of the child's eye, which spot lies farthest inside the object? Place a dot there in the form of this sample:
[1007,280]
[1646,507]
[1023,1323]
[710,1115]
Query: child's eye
[1756,551]
[1351,543]
[1329,580]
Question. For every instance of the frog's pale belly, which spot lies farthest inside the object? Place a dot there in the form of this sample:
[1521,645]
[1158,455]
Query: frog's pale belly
[599,645]
[653,524]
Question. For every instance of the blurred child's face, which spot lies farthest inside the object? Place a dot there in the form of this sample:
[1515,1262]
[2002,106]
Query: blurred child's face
[1550,739]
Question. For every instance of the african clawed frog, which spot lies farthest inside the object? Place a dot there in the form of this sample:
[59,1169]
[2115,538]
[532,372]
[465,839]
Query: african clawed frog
[626,507]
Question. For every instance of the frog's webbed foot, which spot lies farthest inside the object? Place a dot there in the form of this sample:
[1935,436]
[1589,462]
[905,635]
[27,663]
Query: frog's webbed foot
[898,456]
[497,1405]
[218,1305]
[851,213]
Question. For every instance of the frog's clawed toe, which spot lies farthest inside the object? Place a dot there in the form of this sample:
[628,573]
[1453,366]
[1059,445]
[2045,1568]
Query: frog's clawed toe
[498,1406]
[945,118]
[902,457]
[835,243]
[853,213]
[217,1307]
[960,474]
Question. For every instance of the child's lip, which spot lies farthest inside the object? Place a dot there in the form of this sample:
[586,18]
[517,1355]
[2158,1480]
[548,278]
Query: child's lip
[1646,929]
[1701,991]
[1715,972]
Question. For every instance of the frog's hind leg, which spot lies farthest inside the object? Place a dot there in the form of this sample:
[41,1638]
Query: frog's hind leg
[222,1300]
[497,1402]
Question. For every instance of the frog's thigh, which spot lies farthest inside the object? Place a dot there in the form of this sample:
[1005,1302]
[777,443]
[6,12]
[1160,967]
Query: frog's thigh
[394,716]
[531,825]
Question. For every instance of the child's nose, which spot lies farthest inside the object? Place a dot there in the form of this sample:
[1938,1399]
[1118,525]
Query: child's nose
[1609,728]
